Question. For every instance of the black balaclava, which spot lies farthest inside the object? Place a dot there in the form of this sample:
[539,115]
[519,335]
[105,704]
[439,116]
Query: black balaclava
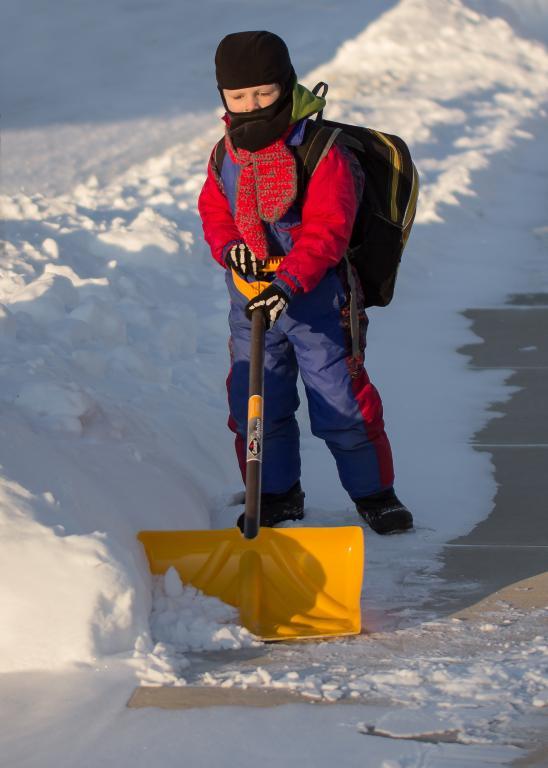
[245,59]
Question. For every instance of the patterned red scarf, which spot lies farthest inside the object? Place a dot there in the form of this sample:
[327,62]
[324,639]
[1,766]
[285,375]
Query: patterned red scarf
[266,189]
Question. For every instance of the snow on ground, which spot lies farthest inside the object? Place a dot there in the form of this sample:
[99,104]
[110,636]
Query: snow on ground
[112,403]
[129,79]
[112,391]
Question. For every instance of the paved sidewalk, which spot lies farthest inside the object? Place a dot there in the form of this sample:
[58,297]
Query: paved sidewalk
[512,543]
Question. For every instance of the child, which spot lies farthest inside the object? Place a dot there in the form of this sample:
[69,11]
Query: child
[284,256]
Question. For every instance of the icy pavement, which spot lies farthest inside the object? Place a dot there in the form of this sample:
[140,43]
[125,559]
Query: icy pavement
[470,679]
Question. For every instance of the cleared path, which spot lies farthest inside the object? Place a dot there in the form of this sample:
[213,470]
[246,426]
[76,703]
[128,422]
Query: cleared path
[512,542]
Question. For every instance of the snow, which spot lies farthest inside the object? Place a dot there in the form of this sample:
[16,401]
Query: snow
[113,358]
[189,620]
[472,102]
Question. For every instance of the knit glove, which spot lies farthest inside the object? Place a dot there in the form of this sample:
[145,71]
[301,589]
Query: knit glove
[272,302]
[241,259]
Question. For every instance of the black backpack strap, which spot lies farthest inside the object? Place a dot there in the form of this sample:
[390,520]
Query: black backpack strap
[319,147]
[218,155]
[323,87]
[318,140]
[216,162]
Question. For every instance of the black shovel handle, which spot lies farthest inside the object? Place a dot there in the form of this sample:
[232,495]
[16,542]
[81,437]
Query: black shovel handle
[255,410]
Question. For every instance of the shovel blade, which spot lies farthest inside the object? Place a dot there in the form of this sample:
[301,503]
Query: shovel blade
[290,583]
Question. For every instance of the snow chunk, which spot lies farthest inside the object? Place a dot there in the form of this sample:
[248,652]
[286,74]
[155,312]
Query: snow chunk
[173,586]
[61,406]
[18,208]
[149,237]
[66,271]
[46,299]
[50,247]
[541,699]
[186,619]
[423,724]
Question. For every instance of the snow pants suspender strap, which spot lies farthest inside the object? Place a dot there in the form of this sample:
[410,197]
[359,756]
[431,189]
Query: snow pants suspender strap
[354,316]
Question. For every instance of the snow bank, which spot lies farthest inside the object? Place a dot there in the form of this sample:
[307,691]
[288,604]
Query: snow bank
[458,90]
[66,597]
[112,399]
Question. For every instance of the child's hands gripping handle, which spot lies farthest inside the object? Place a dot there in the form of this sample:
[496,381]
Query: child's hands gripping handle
[242,260]
[272,302]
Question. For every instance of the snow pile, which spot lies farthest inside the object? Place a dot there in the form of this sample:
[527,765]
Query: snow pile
[83,594]
[112,398]
[187,619]
[461,87]
[184,620]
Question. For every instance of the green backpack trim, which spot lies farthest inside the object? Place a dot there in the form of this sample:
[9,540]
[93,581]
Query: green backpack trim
[305,103]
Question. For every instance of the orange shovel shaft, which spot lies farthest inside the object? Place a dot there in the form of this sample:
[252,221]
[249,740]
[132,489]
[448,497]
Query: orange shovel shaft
[254,449]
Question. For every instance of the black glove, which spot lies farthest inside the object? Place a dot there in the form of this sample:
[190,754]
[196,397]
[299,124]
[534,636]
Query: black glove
[241,259]
[272,302]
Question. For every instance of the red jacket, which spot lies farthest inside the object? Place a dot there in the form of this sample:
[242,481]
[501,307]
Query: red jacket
[319,241]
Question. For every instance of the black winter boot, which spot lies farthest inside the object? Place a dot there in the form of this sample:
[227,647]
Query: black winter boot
[384,512]
[278,507]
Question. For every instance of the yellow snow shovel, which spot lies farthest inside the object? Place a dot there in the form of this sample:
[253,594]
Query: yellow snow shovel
[286,583]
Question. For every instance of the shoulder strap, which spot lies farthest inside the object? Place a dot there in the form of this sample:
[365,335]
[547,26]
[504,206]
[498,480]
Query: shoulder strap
[218,155]
[319,146]
[318,140]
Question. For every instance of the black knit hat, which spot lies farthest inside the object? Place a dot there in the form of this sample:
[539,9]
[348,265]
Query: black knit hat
[245,59]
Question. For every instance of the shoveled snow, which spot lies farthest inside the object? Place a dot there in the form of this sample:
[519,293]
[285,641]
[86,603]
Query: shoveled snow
[184,620]
[188,620]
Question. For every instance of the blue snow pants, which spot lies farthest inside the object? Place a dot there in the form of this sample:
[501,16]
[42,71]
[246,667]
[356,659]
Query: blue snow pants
[312,337]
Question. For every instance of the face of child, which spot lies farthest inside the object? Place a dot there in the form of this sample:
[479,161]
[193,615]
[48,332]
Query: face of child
[249,99]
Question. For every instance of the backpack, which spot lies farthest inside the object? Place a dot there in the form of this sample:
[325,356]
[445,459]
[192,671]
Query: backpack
[387,208]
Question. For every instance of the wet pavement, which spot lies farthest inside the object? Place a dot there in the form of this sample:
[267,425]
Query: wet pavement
[512,542]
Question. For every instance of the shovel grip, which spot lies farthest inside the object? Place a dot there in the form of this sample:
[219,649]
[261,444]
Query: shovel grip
[254,446]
